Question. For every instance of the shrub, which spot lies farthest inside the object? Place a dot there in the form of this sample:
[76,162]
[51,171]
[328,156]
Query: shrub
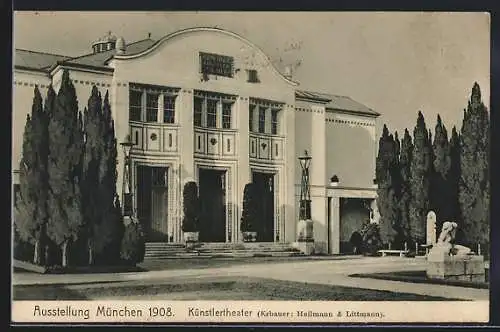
[23,250]
[250,212]
[371,239]
[133,244]
[191,207]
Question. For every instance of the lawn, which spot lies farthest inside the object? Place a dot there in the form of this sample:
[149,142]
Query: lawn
[221,288]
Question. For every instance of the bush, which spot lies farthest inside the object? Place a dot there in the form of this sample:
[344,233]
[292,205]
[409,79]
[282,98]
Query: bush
[250,212]
[133,244]
[191,207]
[22,250]
[371,239]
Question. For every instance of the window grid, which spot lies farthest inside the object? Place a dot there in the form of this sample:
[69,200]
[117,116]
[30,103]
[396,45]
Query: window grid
[274,122]
[151,107]
[198,111]
[211,113]
[226,115]
[168,109]
[251,114]
[135,105]
[262,120]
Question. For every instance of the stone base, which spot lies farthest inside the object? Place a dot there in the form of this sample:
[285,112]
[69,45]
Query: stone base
[306,247]
[305,230]
[457,268]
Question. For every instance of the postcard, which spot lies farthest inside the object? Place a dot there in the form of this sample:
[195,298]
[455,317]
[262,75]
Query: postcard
[250,167]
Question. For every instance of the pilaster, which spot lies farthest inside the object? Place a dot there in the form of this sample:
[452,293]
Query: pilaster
[243,174]
[119,110]
[335,225]
[289,212]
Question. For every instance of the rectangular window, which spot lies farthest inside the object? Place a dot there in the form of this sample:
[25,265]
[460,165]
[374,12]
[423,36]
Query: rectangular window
[211,113]
[262,119]
[226,115]
[198,111]
[252,76]
[168,109]
[135,105]
[274,122]
[152,107]
[251,113]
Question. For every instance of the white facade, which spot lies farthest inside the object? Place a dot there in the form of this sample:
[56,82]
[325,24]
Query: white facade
[186,121]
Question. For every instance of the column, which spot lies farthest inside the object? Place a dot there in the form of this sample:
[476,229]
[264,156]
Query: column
[184,110]
[288,195]
[244,176]
[317,174]
[160,109]
[335,225]
[120,113]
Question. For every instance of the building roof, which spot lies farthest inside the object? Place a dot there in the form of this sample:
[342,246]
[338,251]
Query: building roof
[36,60]
[45,61]
[100,59]
[42,61]
[336,102]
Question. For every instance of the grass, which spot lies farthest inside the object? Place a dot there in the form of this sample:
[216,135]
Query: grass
[221,288]
[421,278]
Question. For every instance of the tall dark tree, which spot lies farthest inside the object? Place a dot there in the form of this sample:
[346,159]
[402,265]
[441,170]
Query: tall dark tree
[31,207]
[474,164]
[420,170]
[65,168]
[94,138]
[405,160]
[454,176]
[441,192]
[386,164]
[111,228]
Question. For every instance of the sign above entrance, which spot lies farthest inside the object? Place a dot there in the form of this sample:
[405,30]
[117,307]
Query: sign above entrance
[215,64]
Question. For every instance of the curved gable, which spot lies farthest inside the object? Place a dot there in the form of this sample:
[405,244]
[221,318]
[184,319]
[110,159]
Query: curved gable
[247,56]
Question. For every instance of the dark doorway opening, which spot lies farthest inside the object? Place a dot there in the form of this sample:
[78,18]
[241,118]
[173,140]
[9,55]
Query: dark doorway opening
[152,201]
[354,213]
[264,185]
[212,192]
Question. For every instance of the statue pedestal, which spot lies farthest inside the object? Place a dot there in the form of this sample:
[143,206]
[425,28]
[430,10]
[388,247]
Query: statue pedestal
[440,265]
[305,237]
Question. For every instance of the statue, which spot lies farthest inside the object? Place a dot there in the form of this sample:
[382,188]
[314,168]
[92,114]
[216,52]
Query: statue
[449,261]
[446,241]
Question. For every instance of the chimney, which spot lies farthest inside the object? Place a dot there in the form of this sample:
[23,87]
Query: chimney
[121,46]
[288,72]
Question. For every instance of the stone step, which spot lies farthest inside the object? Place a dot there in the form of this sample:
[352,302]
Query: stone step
[222,255]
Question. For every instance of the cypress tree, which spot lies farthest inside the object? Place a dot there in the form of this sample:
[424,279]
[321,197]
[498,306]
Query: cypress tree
[474,165]
[94,136]
[420,169]
[440,187]
[454,176]
[65,168]
[31,207]
[110,228]
[405,160]
[386,192]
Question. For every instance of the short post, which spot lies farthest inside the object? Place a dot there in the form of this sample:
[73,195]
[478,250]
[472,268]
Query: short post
[479,248]
[406,246]
[416,248]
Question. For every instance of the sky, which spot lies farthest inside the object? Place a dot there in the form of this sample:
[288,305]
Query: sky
[395,63]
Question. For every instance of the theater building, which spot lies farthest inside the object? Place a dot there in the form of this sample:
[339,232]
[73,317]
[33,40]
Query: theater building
[207,105]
